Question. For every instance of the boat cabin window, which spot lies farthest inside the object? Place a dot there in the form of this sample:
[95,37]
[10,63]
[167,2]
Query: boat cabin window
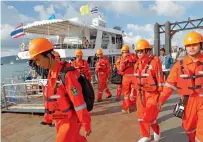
[105,40]
[79,39]
[119,41]
[93,35]
[113,40]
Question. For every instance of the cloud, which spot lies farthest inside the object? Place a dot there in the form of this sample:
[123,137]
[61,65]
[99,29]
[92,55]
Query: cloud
[139,32]
[12,16]
[46,12]
[168,8]
[9,45]
[130,8]
[130,38]
[72,12]
[5,30]
[137,28]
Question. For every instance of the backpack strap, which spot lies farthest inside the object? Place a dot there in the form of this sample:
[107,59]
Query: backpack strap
[62,76]
[63,72]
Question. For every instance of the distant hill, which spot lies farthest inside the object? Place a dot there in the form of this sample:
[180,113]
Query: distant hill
[8,59]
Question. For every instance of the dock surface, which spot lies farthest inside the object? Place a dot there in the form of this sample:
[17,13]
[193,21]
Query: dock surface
[108,125]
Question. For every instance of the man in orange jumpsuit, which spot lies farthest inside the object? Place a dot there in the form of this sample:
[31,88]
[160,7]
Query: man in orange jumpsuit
[102,67]
[119,86]
[126,68]
[67,105]
[48,121]
[186,77]
[147,83]
[148,51]
[81,64]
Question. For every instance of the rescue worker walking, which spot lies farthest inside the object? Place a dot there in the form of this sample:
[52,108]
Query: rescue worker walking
[147,83]
[127,68]
[66,104]
[102,67]
[81,65]
[47,120]
[186,77]
[148,51]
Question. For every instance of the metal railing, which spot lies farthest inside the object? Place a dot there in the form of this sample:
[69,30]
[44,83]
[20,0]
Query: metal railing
[17,93]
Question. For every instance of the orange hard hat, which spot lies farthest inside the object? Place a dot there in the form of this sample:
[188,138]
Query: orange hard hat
[125,48]
[38,46]
[99,51]
[78,52]
[56,54]
[142,44]
[192,38]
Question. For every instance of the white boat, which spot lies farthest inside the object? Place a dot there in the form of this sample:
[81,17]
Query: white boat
[70,35]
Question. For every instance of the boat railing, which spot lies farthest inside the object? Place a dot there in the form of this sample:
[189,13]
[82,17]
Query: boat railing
[28,93]
[67,46]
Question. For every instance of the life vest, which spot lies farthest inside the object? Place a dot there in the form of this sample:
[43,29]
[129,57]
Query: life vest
[58,105]
[189,83]
[101,64]
[80,66]
[146,80]
[127,63]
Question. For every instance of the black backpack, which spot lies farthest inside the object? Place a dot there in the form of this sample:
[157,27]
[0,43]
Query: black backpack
[115,77]
[87,89]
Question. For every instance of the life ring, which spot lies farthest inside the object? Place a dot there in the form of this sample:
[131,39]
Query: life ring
[22,47]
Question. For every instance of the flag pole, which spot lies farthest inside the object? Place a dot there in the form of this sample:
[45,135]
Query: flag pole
[22,23]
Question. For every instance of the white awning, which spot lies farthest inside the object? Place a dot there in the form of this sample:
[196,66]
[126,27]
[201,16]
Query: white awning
[53,27]
[61,27]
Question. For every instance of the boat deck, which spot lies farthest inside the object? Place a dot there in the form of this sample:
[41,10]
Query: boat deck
[108,125]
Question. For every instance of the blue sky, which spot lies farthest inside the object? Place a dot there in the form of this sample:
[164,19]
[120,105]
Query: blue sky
[135,17]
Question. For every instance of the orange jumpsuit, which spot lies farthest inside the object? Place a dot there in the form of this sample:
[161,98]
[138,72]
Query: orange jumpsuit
[193,114]
[159,69]
[47,118]
[102,67]
[83,67]
[69,109]
[126,67]
[148,79]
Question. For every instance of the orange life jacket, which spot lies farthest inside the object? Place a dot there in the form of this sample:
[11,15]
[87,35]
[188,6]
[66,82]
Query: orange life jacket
[127,64]
[101,65]
[57,103]
[189,83]
[80,66]
[145,79]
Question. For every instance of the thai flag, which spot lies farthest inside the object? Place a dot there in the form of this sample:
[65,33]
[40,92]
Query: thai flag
[94,10]
[18,31]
